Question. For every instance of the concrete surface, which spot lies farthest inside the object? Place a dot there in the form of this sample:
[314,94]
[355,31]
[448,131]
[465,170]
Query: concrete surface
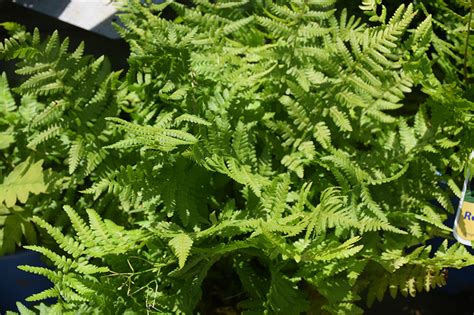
[93,15]
[115,49]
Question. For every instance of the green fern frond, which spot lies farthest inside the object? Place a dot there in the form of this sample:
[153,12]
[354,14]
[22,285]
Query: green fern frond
[67,243]
[181,245]
[243,175]
[75,153]
[340,119]
[42,271]
[155,137]
[43,295]
[45,135]
[7,102]
[26,178]
[192,119]
[79,225]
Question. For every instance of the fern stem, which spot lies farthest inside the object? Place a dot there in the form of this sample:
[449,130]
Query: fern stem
[466,46]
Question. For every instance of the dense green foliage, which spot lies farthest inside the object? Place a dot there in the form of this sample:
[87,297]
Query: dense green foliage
[294,145]
[55,116]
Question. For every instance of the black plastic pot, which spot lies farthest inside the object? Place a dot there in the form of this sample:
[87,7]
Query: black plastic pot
[15,284]
[458,280]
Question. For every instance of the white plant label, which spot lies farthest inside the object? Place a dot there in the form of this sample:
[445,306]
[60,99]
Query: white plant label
[463,229]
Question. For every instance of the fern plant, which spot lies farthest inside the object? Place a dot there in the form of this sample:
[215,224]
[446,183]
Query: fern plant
[26,178]
[295,145]
[74,276]
[23,178]
[52,130]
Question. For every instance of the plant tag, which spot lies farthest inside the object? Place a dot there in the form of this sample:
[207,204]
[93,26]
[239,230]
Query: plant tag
[463,229]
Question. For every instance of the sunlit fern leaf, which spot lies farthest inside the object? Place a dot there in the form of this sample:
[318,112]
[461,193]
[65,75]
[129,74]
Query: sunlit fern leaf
[181,245]
[27,177]
[45,135]
[7,102]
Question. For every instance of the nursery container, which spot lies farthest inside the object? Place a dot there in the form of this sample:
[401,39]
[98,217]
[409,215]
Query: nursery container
[17,285]
[94,15]
[458,280]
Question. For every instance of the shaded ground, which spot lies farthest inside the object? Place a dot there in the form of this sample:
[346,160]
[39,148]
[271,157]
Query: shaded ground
[432,303]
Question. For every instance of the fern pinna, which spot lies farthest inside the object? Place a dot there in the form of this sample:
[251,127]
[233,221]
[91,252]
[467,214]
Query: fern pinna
[294,144]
